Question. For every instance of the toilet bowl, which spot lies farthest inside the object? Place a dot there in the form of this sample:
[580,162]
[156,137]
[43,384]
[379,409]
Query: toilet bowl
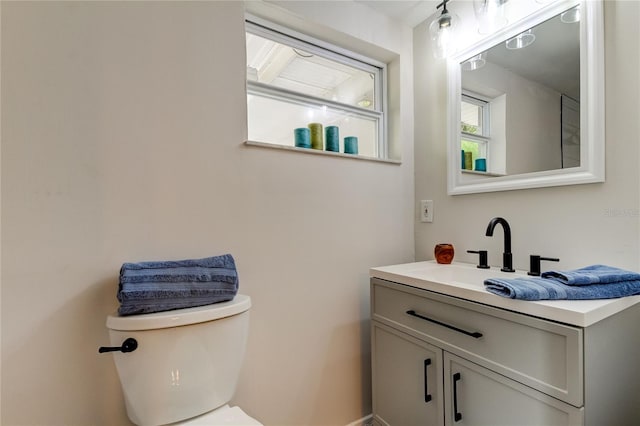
[185,365]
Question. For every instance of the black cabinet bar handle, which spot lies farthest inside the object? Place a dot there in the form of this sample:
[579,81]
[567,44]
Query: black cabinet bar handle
[427,396]
[473,334]
[457,416]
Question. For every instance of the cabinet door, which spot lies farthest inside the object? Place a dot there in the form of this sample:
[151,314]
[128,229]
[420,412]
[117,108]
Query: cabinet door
[477,396]
[407,379]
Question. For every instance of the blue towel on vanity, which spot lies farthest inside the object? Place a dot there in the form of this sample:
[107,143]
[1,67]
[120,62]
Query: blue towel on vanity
[594,274]
[147,287]
[537,288]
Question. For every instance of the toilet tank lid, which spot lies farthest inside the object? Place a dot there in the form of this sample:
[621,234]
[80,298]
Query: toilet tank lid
[178,317]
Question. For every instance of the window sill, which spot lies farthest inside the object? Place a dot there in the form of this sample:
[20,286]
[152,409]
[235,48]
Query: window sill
[475,172]
[320,152]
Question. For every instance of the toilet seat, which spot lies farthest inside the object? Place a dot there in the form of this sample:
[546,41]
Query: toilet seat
[223,416]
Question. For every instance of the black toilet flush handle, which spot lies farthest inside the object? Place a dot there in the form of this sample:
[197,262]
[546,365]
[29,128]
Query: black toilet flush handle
[128,345]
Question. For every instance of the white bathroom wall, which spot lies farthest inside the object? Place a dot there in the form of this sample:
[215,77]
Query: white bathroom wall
[122,140]
[583,224]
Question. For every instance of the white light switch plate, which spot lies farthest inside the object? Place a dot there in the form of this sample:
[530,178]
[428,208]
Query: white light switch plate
[426,211]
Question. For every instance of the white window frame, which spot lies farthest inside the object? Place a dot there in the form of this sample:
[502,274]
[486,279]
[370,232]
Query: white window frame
[264,28]
[484,104]
[483,138]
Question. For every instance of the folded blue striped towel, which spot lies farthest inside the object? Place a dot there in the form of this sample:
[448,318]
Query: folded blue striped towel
[594,274]
[147,287]
[537,288]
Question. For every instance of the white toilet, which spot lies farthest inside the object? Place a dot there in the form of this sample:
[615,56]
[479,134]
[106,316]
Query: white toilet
[186,364]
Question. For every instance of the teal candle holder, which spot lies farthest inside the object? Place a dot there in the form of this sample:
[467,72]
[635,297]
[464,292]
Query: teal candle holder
[302,137]
[332,138]
[351,145]
[481,164]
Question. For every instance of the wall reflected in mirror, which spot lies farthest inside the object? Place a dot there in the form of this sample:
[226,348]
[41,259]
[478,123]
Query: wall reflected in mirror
[520,103]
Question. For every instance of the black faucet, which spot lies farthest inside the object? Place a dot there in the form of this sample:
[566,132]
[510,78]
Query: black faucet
[507,260]
[534,263]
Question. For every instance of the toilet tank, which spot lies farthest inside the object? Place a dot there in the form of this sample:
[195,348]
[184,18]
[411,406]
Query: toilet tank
[187,361]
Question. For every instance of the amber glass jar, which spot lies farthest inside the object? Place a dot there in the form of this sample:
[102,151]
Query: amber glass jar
[444,253]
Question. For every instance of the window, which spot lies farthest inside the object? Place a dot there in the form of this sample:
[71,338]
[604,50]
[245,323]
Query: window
[294,80]
[474,128]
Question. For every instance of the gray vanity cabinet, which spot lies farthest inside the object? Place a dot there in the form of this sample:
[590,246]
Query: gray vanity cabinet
[408,375]
[480,396]
[440,360]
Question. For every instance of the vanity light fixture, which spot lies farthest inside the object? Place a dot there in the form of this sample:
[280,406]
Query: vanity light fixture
[571,16]
[490,15]
[521,41]
[441,31]
[475,62]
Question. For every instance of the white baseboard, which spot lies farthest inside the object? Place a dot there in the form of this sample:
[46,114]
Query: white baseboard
[365,421]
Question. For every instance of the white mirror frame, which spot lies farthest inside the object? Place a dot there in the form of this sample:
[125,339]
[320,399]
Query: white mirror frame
[592,118]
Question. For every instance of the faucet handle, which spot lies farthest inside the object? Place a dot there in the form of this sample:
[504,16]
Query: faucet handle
[483,264]
[534,263]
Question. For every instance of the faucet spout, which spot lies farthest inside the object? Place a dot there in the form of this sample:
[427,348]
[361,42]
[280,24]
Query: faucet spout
[507,257]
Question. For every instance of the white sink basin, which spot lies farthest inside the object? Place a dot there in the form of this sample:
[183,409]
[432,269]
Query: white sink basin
[458,273]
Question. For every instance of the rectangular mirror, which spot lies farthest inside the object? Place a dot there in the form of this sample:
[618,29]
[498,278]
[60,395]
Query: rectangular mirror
[526,105]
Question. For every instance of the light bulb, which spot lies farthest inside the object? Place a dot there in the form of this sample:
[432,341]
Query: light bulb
[520,41]
[442,35]
[571,16]
[475,62]
[490,15]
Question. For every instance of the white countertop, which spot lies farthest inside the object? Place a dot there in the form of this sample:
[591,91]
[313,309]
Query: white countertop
[465,281]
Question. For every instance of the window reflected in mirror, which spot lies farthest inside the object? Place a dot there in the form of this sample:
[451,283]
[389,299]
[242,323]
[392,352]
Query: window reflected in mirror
[474,134]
